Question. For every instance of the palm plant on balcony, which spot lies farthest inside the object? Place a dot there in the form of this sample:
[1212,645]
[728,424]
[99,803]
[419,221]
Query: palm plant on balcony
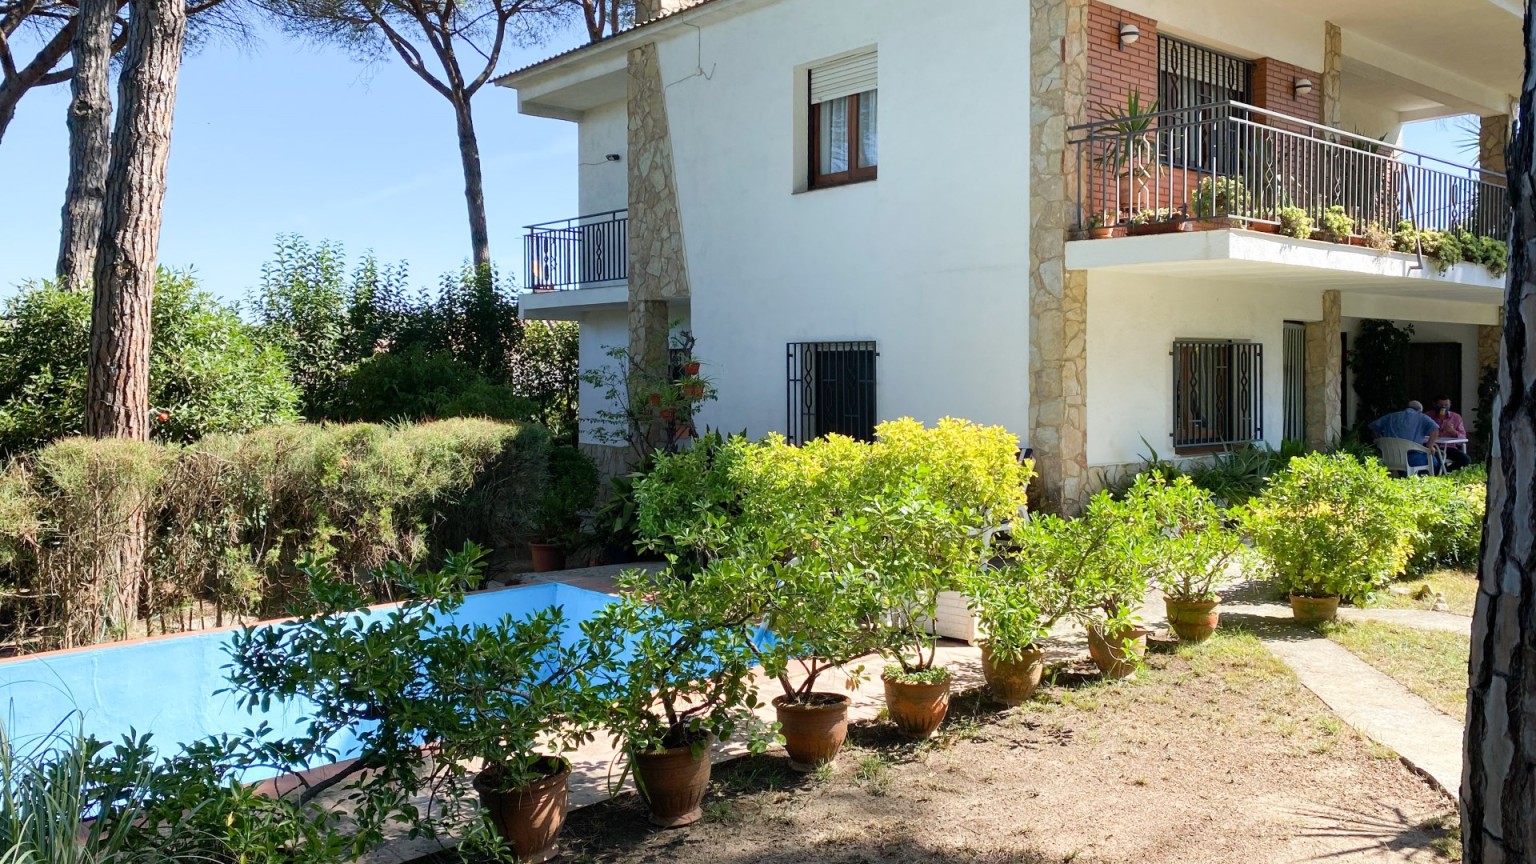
[1129,130]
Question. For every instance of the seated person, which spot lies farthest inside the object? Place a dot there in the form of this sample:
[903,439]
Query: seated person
[1410,424]
[1451,426]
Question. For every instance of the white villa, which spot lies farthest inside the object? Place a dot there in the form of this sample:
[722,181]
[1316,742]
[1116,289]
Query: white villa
[867,209]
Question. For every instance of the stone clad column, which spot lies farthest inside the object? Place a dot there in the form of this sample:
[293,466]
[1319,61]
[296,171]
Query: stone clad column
[1493,142]
[658,265]
[1333,75]
[1058,298]
[1324,376]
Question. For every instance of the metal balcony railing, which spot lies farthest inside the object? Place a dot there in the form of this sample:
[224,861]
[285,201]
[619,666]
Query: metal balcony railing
[584,252]
[1228,160]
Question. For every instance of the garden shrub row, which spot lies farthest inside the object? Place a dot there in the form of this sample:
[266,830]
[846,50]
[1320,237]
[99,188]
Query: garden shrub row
[229,516]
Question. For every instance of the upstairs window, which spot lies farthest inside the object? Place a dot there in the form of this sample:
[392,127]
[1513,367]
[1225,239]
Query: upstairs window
[831,390]
[845,120]
[1218,393]
[1190,76]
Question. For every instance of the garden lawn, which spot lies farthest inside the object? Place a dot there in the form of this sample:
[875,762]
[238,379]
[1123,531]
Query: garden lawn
[1431,663]
[1216,754]
[1458,586]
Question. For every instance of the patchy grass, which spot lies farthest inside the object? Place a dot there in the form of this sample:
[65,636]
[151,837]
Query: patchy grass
[1446,833]
[1213,753]
[1458,586]
[1430,663]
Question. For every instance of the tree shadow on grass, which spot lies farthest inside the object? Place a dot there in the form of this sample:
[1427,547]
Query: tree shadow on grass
[1396,832]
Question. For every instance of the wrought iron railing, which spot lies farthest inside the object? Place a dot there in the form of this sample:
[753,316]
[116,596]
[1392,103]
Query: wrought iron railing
[584,252]
[1228,160]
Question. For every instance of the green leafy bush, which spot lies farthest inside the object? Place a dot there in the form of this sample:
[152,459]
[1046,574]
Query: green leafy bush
[1337,223]
[208,370]
[513,695]
[1295,222]
[570,490]
[1332,526]
[229,515]
[1191,542]
[413,385]
[1449,512]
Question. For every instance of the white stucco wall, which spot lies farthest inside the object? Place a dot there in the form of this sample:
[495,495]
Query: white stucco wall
[1132,323]
[603,185]
[930,260]
[602,330]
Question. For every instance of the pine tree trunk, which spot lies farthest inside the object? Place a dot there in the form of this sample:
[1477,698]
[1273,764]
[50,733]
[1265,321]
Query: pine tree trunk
[117,380]
[90,119]
[1498,789]
[474,183]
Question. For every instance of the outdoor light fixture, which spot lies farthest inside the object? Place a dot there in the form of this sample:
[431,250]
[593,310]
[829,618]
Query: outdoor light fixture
[614,157]
[1129,33]
[1303,86]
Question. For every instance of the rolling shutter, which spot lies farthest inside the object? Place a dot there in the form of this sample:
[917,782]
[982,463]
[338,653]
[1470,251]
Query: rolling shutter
[848,76]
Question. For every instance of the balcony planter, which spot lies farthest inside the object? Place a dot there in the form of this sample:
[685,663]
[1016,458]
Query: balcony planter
[693,390]
[691,367]
[1172,227]
[1104,232]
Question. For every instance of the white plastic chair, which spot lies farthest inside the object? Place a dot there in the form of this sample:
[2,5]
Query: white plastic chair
[1394,455]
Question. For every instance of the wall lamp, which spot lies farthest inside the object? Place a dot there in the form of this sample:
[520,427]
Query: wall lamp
[614,157]
[1303,86]
[1129,33]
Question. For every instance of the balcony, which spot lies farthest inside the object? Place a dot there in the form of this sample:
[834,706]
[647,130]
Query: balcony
[576,264]
[1327,199]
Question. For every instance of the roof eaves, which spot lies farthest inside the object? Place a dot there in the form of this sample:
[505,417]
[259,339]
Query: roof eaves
[502,80]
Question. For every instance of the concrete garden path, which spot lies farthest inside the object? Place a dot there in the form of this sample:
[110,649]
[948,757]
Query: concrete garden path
[1370,701]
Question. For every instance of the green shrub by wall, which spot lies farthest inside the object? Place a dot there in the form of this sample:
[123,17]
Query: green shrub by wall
[230,515]
[1449,513]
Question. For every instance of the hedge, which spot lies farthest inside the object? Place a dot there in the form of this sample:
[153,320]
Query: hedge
[230,516]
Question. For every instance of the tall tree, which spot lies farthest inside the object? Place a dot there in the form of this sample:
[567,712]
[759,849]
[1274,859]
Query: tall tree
[435,39]
[1498,791]
[117,385]
[90,124]
[51,22]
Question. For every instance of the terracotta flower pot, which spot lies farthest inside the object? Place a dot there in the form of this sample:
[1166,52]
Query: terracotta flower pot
[813,731]
[547,557]
[1012,683]
[693,391]
[917,709]
[654,399]
[528,818]
[1314,610]
[1170,227]
[1193,620]
[673,782]
[691,368]
[1103,232]
[1110,654]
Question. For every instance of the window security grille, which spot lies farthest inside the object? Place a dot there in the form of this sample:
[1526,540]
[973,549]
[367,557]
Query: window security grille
[1218,392]
[1190,76]
[831,390]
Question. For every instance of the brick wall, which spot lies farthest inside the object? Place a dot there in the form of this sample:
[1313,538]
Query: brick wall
[1274,87]
[1113,73]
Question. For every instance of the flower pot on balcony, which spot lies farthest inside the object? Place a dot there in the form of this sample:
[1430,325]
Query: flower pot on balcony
[693,390]
[1104,232]
[1264,227]
[691,367]
[1171,227]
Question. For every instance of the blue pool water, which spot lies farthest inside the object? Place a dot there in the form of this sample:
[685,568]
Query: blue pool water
[169,687]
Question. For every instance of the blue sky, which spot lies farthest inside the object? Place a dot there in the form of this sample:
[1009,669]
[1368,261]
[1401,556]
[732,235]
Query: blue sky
[286,137]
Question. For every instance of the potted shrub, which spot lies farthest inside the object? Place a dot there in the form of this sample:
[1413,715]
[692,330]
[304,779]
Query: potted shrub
[1113,538]
[571,489]
[1159,221]
[1190,554]
[683,683]
[1331,528]
[511,695]
[1102,225]
[1219,202]
[1338,226]
[1015,606]
[1295,222]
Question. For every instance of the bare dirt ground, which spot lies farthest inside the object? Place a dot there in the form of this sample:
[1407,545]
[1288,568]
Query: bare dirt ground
[1214,754]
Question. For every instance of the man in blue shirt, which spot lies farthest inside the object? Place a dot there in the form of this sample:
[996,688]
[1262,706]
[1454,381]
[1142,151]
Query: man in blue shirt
[1410,424]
